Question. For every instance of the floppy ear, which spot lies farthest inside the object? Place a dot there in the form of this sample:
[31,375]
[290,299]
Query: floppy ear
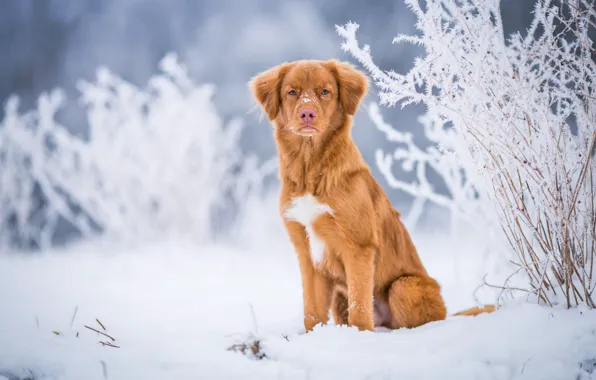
[266,88]
[352,85]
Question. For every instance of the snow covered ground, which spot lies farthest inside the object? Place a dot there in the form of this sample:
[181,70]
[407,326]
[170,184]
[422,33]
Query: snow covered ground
[173,309]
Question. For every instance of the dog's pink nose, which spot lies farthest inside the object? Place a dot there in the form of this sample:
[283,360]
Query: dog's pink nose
[307,115]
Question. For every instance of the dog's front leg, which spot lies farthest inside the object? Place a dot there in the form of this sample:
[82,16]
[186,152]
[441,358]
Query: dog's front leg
[316,288]
[359,268]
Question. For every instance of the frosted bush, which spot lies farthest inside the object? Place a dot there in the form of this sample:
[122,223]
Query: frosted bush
[30,207]
[158,161]
[525,111]
[446,157]
[472,215]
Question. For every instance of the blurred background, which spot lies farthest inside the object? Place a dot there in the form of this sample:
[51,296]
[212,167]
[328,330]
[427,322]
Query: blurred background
[47,44]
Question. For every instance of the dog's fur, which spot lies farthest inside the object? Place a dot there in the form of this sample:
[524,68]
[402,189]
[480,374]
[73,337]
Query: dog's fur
[355,255]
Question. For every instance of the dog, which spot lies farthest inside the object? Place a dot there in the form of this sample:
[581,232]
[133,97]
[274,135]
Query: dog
[355,255]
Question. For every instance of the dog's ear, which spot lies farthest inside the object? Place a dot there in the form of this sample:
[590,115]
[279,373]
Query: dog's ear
[352,85]
[266,88]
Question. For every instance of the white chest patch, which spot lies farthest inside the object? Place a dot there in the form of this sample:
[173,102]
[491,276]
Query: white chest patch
[305,210]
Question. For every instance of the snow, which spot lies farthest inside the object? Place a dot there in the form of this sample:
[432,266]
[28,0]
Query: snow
[174,307]
[305,210]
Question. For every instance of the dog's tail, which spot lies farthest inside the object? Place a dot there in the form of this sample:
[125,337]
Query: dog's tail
[476,310]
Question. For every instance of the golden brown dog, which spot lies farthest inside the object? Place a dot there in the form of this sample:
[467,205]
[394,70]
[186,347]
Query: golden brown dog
[355,255]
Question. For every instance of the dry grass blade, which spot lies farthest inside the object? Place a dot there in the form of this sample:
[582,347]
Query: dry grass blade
[108,344]
[101,324]
[74,315]
[99,332]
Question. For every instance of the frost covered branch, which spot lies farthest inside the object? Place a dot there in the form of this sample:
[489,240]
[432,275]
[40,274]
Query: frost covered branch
[524,113]
[464,198]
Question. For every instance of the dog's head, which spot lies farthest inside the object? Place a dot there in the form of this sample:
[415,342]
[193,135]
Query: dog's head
[309,97]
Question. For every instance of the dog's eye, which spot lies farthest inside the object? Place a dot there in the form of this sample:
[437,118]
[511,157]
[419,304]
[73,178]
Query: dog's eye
[325,92]
[292,92]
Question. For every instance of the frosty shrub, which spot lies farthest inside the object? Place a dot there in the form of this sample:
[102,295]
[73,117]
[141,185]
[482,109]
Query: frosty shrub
[157,161]
[525,110]
[469,206]
[30,207]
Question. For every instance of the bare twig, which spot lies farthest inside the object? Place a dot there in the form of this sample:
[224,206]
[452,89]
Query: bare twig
[107,344]
[101,324]
[99,332]
[74,316]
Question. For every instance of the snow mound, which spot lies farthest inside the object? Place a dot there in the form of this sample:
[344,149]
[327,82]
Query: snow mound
[173,309]
[523,341]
